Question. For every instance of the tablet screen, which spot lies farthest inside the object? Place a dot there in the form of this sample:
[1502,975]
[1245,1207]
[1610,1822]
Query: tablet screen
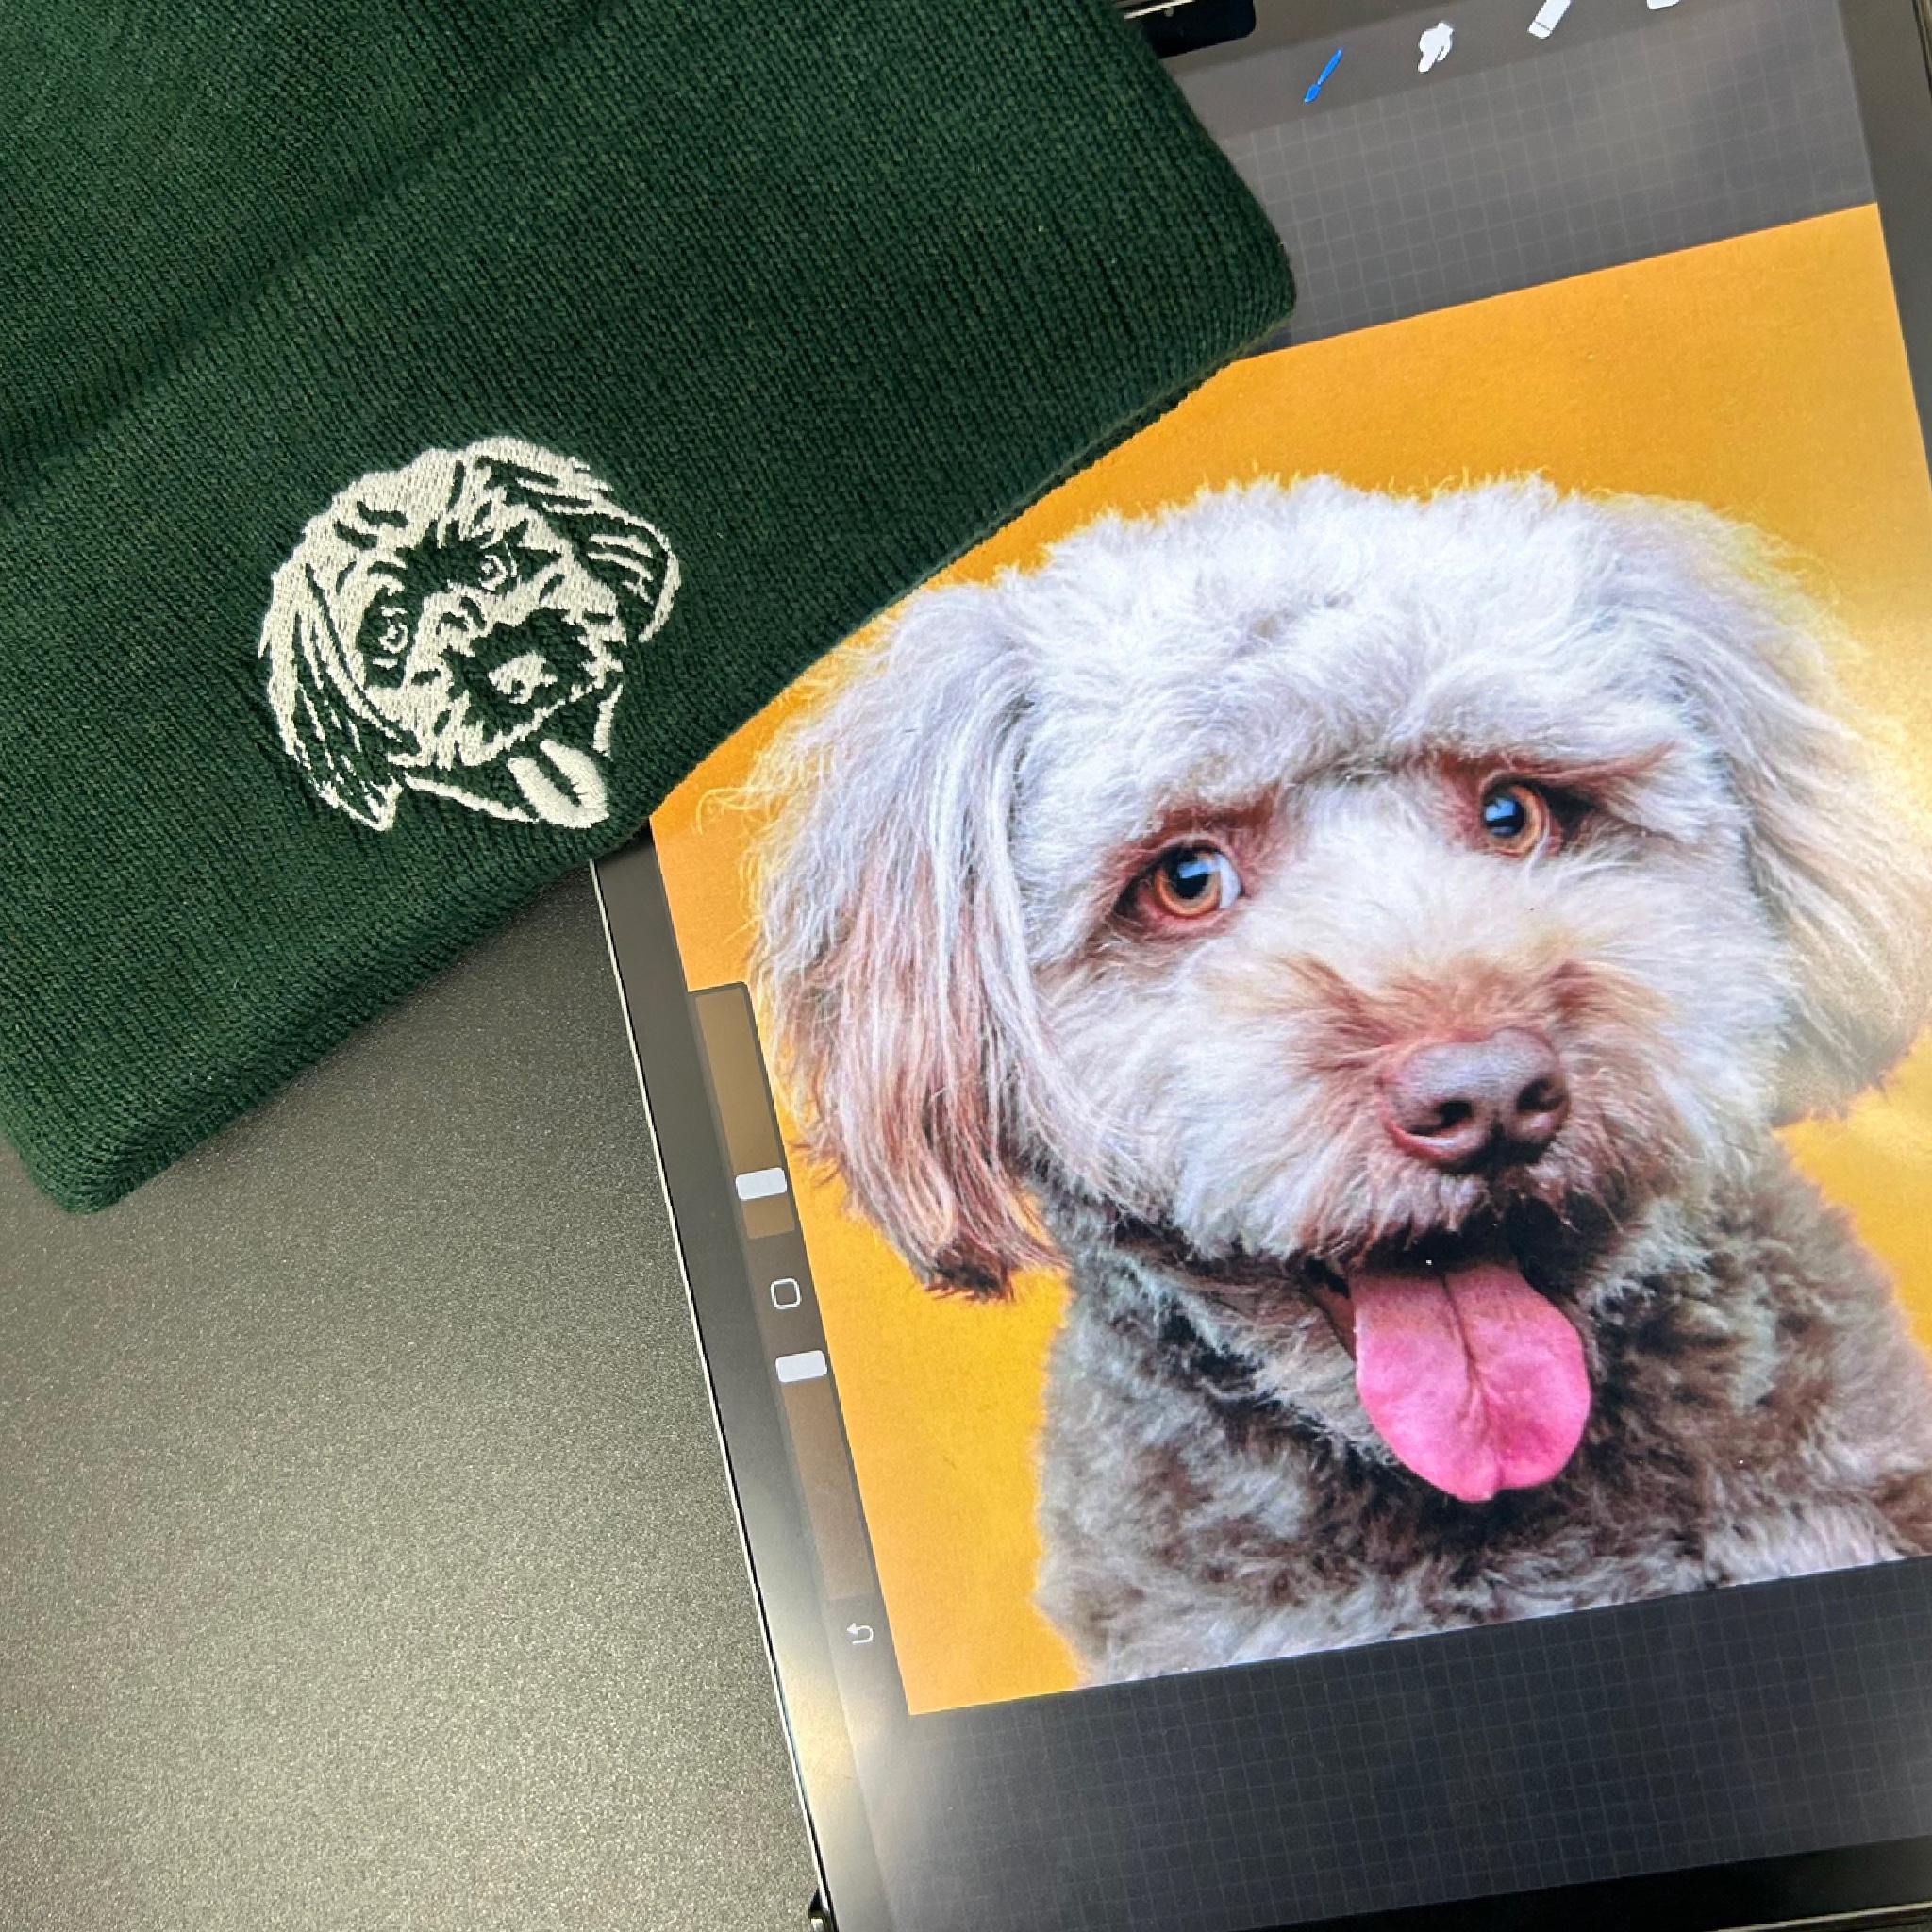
[1307,1165]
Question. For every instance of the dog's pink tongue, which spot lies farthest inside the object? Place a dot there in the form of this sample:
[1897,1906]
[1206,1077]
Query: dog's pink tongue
[1475,1381]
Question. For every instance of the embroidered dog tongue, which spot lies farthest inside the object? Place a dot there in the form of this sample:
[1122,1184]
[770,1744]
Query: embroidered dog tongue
[1475,1381]
[569,793]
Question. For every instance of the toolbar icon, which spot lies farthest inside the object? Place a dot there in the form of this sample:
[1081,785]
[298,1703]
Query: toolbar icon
[1549,18]
[1314,94]
[1436,45]
[861,1634]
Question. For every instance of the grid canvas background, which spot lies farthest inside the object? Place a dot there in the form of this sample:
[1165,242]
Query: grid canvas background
[1688,1732]
[1684,1733]
[1714,118]
[1666,1736]
[1693,1731]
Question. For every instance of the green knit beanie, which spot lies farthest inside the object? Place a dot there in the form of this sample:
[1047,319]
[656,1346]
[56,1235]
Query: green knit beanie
[429,426]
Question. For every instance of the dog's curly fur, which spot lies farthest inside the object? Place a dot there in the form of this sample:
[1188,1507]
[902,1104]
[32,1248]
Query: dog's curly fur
[1012,1060]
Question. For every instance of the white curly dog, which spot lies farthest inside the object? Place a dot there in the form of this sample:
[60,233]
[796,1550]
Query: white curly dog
[1368,943]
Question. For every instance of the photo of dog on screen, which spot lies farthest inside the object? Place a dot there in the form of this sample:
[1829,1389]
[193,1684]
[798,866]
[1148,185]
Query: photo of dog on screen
[1368,943]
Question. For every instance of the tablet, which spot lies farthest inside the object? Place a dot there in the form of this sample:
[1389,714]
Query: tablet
[1297,1100]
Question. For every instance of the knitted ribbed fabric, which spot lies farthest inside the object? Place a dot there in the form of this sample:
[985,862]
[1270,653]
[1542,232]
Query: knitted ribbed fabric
[426,429]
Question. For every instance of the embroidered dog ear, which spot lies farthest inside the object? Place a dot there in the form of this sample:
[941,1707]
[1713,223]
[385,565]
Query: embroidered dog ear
[1838,847]
[891,962]
[344,748]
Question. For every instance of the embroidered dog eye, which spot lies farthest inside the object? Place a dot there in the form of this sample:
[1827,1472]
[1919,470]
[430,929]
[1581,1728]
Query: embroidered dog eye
[1193,881]
[391,639]
[495,569]
[1517,819]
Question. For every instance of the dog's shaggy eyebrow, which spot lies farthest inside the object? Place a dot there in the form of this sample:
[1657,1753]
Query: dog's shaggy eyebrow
[1605,777]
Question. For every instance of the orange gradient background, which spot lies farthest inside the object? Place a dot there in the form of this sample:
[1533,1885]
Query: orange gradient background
[1765,376]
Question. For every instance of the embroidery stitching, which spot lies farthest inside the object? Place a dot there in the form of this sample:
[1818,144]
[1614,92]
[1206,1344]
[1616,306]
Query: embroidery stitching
[459,627]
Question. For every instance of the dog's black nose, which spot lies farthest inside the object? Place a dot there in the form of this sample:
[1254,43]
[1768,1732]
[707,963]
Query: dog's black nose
[1465,1103]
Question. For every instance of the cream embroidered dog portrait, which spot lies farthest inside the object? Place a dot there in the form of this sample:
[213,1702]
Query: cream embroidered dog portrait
[463,626]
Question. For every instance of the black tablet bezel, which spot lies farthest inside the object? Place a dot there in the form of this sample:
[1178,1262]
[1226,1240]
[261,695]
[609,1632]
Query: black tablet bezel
[1875,1882]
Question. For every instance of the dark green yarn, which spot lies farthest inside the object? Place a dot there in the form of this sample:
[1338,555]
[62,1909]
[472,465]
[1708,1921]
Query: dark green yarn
[825,295]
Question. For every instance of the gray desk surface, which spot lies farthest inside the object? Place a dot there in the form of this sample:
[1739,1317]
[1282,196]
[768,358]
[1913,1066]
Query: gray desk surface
[365,1552]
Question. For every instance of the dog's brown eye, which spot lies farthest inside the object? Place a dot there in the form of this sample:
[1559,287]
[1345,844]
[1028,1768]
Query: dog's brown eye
[1517,819]
[1191,882]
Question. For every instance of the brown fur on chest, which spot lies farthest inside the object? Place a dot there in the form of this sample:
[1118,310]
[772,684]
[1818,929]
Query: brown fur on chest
[1714,1371]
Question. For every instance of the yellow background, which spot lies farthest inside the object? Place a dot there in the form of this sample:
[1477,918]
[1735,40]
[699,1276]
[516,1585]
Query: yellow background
[1764,376]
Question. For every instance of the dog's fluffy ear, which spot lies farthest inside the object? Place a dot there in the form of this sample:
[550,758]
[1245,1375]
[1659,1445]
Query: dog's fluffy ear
[312,689]
[890,963]
[1839,845]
